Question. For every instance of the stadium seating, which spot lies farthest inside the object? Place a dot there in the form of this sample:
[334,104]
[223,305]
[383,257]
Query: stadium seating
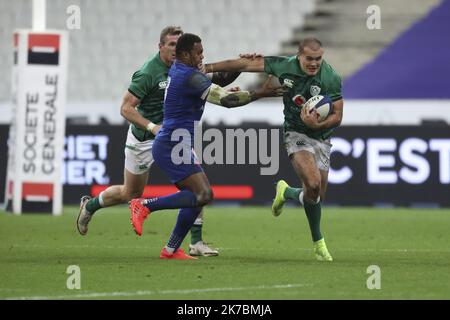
[341,26]
[409,68]
[116,37]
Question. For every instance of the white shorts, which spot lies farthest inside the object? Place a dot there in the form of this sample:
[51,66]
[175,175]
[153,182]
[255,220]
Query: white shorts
[295,142]
[138,155]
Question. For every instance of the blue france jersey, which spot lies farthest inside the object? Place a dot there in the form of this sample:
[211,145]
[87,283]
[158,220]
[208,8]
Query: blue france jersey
[185,99]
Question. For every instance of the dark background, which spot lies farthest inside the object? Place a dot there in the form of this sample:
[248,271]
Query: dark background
[356,192]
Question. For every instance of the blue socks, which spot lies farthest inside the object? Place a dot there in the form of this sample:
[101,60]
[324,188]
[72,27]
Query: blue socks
[181,199]
[187,201]
[185,220]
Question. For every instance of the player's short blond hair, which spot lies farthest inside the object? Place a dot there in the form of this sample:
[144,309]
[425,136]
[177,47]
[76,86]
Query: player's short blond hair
[170,31]
[310,42]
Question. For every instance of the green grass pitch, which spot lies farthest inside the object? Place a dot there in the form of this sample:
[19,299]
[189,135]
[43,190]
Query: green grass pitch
[261,257]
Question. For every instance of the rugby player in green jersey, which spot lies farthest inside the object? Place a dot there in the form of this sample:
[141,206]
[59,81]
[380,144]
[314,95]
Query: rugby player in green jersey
[142,106]
[307,140]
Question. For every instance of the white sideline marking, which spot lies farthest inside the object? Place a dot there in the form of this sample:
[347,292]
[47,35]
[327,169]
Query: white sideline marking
[148,293]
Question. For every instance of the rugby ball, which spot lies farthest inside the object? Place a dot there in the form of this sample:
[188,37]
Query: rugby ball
[322,104]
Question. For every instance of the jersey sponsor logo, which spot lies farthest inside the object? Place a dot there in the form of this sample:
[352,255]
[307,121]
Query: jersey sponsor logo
[288,82]
[314,90]
[162,85]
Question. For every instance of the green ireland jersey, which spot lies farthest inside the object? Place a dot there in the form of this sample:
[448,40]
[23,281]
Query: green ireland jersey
[148,84]
[325,82]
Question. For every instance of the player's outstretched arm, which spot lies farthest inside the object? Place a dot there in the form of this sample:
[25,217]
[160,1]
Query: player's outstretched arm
[224,78]
[128,111]
[232,99]
[220,78]
[237,65]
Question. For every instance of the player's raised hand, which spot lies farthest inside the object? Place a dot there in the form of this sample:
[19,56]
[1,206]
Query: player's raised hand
[234,89]
[269,90]
[250,55]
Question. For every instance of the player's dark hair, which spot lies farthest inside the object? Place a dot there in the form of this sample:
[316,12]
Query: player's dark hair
[169,31]
[186,43]
[311,42]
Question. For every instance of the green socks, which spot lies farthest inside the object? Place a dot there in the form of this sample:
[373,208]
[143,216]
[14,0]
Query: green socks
[313,213]
[93,205]
[292,193]
[196,233]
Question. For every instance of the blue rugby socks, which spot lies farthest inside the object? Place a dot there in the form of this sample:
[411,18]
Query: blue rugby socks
[181,199]
[186,218]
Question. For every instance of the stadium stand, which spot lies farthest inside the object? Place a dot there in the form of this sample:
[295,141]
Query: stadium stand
[116,38]
[410,67]
[350,47]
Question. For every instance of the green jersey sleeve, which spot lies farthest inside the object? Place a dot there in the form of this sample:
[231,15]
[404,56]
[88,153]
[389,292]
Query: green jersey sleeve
[140,84]
[275,65]
[334,89]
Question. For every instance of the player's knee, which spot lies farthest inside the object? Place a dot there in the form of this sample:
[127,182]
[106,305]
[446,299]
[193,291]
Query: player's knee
[322,195]
[313,189]
[204,197]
